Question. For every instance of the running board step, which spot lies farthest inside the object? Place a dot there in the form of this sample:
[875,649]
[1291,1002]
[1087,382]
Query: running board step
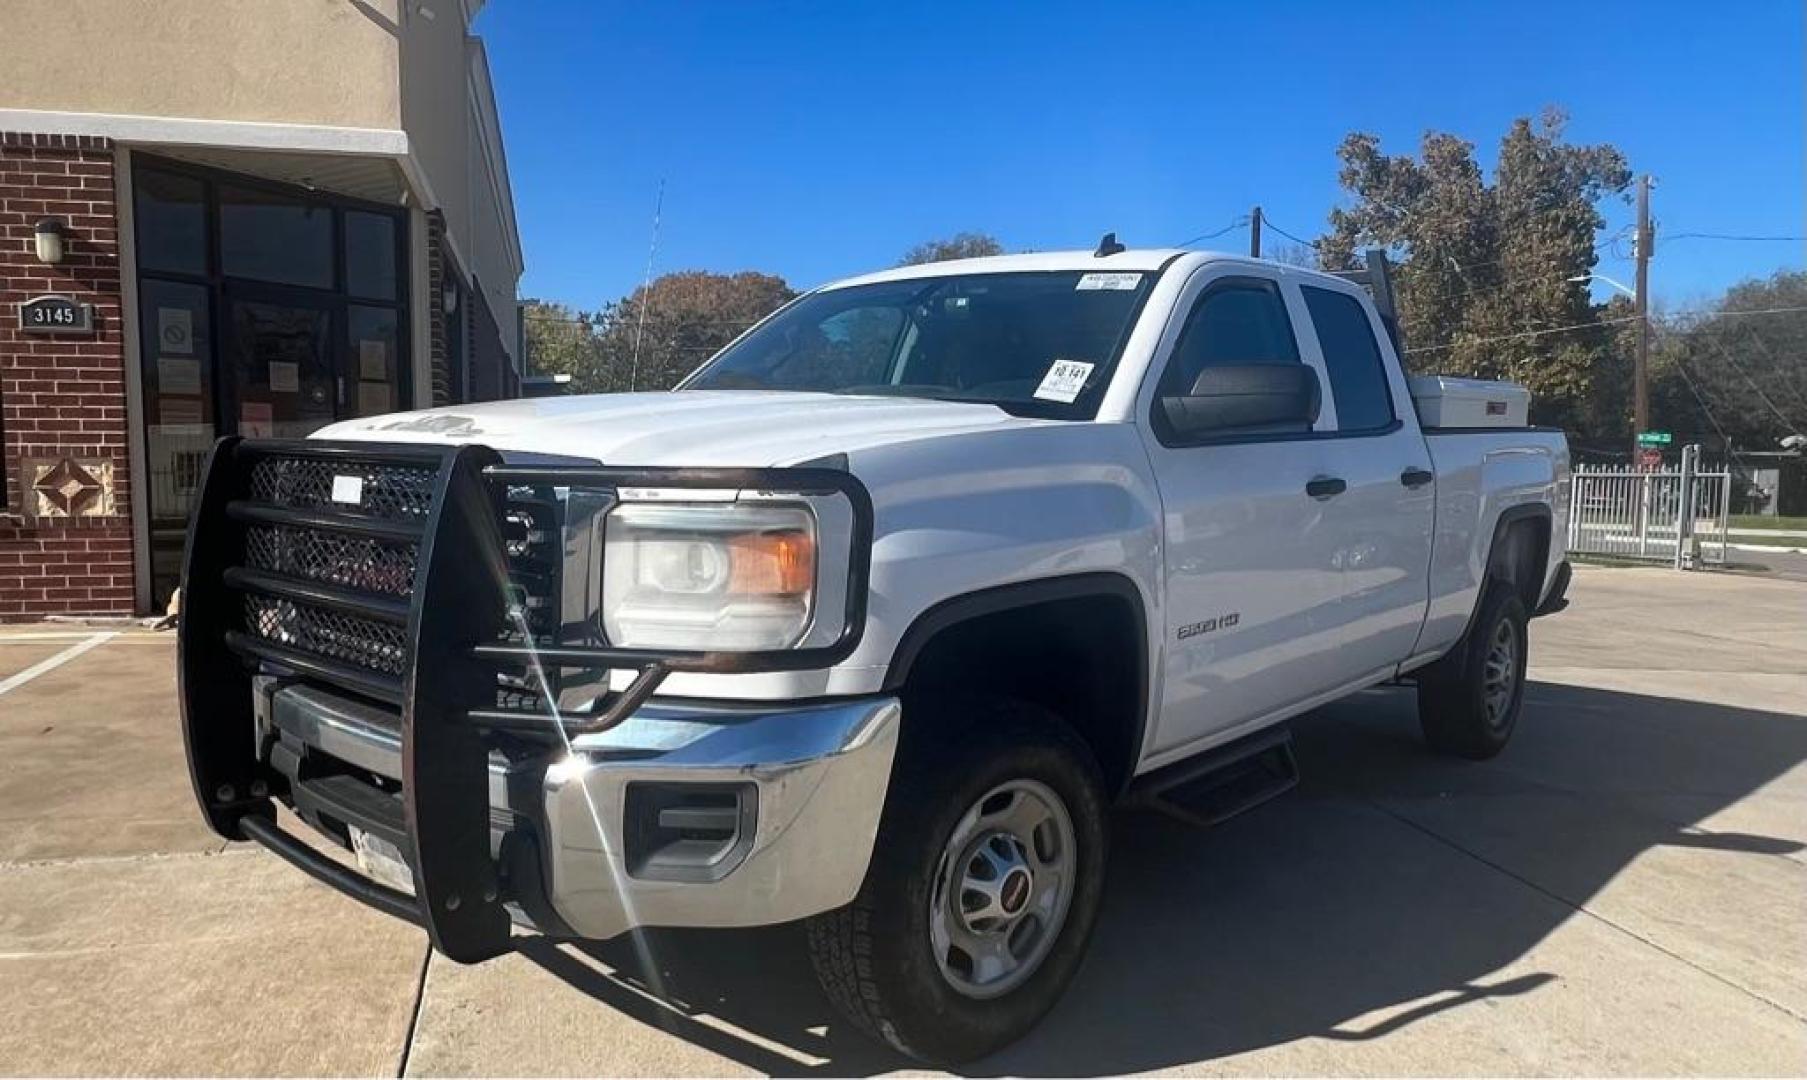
[1222,782]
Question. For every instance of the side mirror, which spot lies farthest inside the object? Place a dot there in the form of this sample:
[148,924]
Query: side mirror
[1245,399]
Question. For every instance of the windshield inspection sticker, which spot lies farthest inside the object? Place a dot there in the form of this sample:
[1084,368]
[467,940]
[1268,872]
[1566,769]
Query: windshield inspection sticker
[1064,380]
[1108,281]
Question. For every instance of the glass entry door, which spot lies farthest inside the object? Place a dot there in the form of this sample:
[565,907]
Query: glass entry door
[267,310]
[282,372]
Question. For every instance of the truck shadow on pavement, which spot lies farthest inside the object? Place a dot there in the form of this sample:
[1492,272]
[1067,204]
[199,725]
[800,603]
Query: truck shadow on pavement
[1391,881]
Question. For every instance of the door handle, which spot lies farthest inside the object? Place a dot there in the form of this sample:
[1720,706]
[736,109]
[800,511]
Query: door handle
[1415,477]
[1323,487]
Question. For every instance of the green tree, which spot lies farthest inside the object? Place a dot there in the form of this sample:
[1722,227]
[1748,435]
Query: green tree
[560,339]
[1736,378]
[1482,264]
[656,335]
[964,245]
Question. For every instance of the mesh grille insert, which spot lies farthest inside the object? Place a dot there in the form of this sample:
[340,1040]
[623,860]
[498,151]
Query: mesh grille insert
[354,562]
[368,644]
[390,491]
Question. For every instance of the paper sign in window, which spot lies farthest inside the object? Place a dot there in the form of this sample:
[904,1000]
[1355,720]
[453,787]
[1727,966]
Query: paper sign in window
[285,377]
[178,410]
[1107,281]
[256,419]
[373,359]
[178,375]
[1064,380]
[373,397]
[175,330]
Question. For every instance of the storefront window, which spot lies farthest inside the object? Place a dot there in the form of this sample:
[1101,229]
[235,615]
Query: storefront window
[266,236]
[370,255]
[172,223]
[175,321]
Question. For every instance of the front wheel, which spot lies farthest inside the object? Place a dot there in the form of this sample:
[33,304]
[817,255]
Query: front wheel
[984,884]
[1468,702]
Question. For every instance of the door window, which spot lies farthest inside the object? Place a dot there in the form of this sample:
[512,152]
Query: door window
[372,358]
[1358,378]
[280,368]
[1237,321]
[265,310]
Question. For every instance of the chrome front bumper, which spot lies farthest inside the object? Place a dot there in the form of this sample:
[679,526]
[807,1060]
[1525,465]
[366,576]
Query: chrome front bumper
[811,780]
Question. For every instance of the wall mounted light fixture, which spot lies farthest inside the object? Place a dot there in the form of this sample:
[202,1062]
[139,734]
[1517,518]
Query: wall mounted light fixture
[50,235]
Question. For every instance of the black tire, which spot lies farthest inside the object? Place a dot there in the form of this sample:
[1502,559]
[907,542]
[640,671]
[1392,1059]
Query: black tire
[1454,692]
[874,957]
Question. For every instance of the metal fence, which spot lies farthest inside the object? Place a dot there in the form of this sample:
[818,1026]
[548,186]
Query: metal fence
[1673,515]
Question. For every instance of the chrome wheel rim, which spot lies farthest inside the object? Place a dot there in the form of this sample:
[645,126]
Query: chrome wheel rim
[1499,674]
[1002,888]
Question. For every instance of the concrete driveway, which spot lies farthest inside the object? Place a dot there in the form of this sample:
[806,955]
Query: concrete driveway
[1623,891]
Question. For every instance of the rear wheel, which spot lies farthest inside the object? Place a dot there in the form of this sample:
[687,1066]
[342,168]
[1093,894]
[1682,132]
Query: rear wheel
[1469,701]
[983,887]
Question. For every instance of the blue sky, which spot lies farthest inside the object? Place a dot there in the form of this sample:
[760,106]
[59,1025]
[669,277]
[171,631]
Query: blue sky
[816,141]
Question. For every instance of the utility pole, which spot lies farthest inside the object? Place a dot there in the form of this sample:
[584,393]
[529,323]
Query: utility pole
[1640,380]
[1255,232]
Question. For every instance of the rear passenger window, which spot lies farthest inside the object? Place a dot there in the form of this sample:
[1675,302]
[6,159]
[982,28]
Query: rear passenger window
[1239,321]
[1358,378]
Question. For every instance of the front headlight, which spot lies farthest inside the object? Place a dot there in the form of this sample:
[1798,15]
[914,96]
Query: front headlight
[708,576]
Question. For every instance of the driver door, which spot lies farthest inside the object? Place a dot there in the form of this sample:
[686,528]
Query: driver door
[1253,580]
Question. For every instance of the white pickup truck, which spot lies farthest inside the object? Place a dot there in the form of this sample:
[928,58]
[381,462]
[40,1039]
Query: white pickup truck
[869,622]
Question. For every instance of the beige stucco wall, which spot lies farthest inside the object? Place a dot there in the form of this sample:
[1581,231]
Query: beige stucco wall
[387,65]
[258,60]
[444,78]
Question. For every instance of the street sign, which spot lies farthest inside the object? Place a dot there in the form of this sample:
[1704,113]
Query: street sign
[1653,438]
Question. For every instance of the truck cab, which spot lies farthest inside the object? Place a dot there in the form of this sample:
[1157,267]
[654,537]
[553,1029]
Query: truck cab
[869,622]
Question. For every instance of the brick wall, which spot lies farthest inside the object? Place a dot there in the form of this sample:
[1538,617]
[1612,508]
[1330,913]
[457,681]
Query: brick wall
[438,354]
[62,398]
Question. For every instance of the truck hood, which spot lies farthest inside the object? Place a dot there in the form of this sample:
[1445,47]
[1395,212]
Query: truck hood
[693,427]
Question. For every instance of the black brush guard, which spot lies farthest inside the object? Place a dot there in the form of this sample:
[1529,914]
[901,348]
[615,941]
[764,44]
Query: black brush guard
[441,638]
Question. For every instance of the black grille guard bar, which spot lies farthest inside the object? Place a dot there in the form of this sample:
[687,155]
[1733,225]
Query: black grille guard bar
[443,676]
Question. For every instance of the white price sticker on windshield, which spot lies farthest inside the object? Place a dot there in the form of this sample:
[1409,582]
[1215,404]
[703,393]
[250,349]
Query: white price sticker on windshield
[1064,380]
[1108,281]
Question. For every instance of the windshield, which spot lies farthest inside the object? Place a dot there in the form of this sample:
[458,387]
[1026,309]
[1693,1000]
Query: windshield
[1036,344]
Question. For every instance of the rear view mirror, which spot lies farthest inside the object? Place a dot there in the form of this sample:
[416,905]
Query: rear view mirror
[1245,399]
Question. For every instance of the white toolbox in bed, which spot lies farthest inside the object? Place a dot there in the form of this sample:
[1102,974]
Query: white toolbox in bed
[1447,402]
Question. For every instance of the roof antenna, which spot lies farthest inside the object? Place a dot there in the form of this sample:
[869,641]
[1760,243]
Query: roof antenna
[1108,246]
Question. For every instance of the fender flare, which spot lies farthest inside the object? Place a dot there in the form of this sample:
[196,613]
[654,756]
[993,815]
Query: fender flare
[955,610]
[1509,517]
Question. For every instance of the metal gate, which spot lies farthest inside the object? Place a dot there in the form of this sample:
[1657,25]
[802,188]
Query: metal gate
[1673,515]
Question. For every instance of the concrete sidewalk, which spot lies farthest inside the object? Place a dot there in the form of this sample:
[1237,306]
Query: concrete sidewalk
[1624,891]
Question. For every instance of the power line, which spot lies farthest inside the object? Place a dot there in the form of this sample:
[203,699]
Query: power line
[1268,222]
[1771,357]
[1236,224]
[1674,315]
[1739,368]
[1727,236]
[1702,402]
[1711,313]
[1526,334]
